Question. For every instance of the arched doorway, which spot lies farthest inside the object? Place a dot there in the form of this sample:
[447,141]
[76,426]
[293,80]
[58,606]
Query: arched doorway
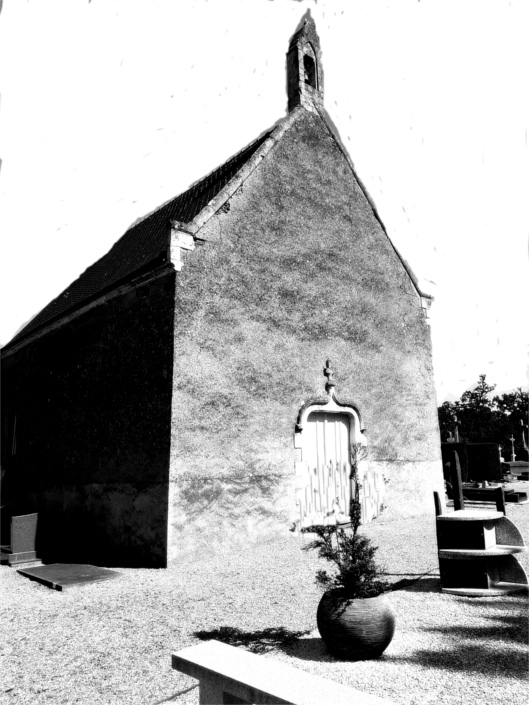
[330,437]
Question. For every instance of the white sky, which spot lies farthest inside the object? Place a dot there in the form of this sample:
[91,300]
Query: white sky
[109,108]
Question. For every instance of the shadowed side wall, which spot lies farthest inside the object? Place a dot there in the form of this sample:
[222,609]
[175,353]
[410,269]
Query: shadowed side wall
[90,450]
[297,271]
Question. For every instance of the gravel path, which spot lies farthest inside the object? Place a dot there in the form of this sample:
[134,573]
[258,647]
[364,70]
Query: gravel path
[111,642]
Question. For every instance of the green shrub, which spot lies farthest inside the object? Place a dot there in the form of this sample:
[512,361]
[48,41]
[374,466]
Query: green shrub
[356,572]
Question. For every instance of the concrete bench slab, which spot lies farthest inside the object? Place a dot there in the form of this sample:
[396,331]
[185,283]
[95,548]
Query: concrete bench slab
[232,675]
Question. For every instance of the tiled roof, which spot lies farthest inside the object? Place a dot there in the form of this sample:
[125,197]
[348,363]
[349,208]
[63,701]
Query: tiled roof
[142,247]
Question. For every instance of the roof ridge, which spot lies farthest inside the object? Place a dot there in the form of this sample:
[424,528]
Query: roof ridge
[200,184]
[273,137]
[333,131]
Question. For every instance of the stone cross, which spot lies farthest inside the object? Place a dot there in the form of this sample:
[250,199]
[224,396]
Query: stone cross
[513,456]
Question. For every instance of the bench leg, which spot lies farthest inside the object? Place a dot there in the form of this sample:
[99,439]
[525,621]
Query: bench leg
[211,692]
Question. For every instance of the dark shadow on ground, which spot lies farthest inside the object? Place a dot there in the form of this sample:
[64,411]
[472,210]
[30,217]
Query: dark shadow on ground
[311,649]
[490,660]
[314,649]
[258,641]
[509,621]
[515,602]
[487,649]
[468,652]
[490,649]
[511,629]
[427,583]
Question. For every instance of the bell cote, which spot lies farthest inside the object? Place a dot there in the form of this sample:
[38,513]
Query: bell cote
[304,71]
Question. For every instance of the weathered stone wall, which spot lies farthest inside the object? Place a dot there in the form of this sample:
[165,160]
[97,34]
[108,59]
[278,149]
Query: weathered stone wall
[298,270]
[92,402]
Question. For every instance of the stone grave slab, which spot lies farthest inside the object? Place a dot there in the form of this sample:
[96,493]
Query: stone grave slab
[488,494]
[60,576]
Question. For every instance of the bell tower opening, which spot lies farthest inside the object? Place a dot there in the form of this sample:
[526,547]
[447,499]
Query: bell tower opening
[304,72]
[309,67]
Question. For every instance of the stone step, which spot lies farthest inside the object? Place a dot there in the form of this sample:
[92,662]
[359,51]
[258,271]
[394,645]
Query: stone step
[470,515]
[496,590]
[496,550]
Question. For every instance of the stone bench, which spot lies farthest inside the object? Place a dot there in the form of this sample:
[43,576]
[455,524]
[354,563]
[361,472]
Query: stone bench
[232,675]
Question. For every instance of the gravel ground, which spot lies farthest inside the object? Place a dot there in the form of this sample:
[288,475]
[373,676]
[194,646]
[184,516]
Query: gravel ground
[111,642]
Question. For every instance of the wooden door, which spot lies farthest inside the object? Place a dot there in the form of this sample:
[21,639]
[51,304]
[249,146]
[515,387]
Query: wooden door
[325,491]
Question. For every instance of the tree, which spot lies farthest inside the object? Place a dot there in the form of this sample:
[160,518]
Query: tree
[514,404]
[484,419]
[479,396]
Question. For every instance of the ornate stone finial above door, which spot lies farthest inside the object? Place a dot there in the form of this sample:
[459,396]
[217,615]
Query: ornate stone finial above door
[330,384]
[329,402]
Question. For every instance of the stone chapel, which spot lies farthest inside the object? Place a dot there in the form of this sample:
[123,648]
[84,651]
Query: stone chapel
[177,397]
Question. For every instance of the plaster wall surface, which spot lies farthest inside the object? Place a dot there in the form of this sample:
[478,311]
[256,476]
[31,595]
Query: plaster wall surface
[90,449]
[296,271]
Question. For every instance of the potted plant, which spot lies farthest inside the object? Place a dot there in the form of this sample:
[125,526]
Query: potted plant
[354,617]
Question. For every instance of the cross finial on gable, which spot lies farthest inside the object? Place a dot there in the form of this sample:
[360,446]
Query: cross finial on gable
[304,70]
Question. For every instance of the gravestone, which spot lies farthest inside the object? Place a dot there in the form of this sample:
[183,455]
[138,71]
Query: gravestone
[446,453]
[479,462]
[484,462]
[18,526]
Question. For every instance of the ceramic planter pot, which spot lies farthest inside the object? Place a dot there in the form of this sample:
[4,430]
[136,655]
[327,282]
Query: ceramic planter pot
[355,630]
